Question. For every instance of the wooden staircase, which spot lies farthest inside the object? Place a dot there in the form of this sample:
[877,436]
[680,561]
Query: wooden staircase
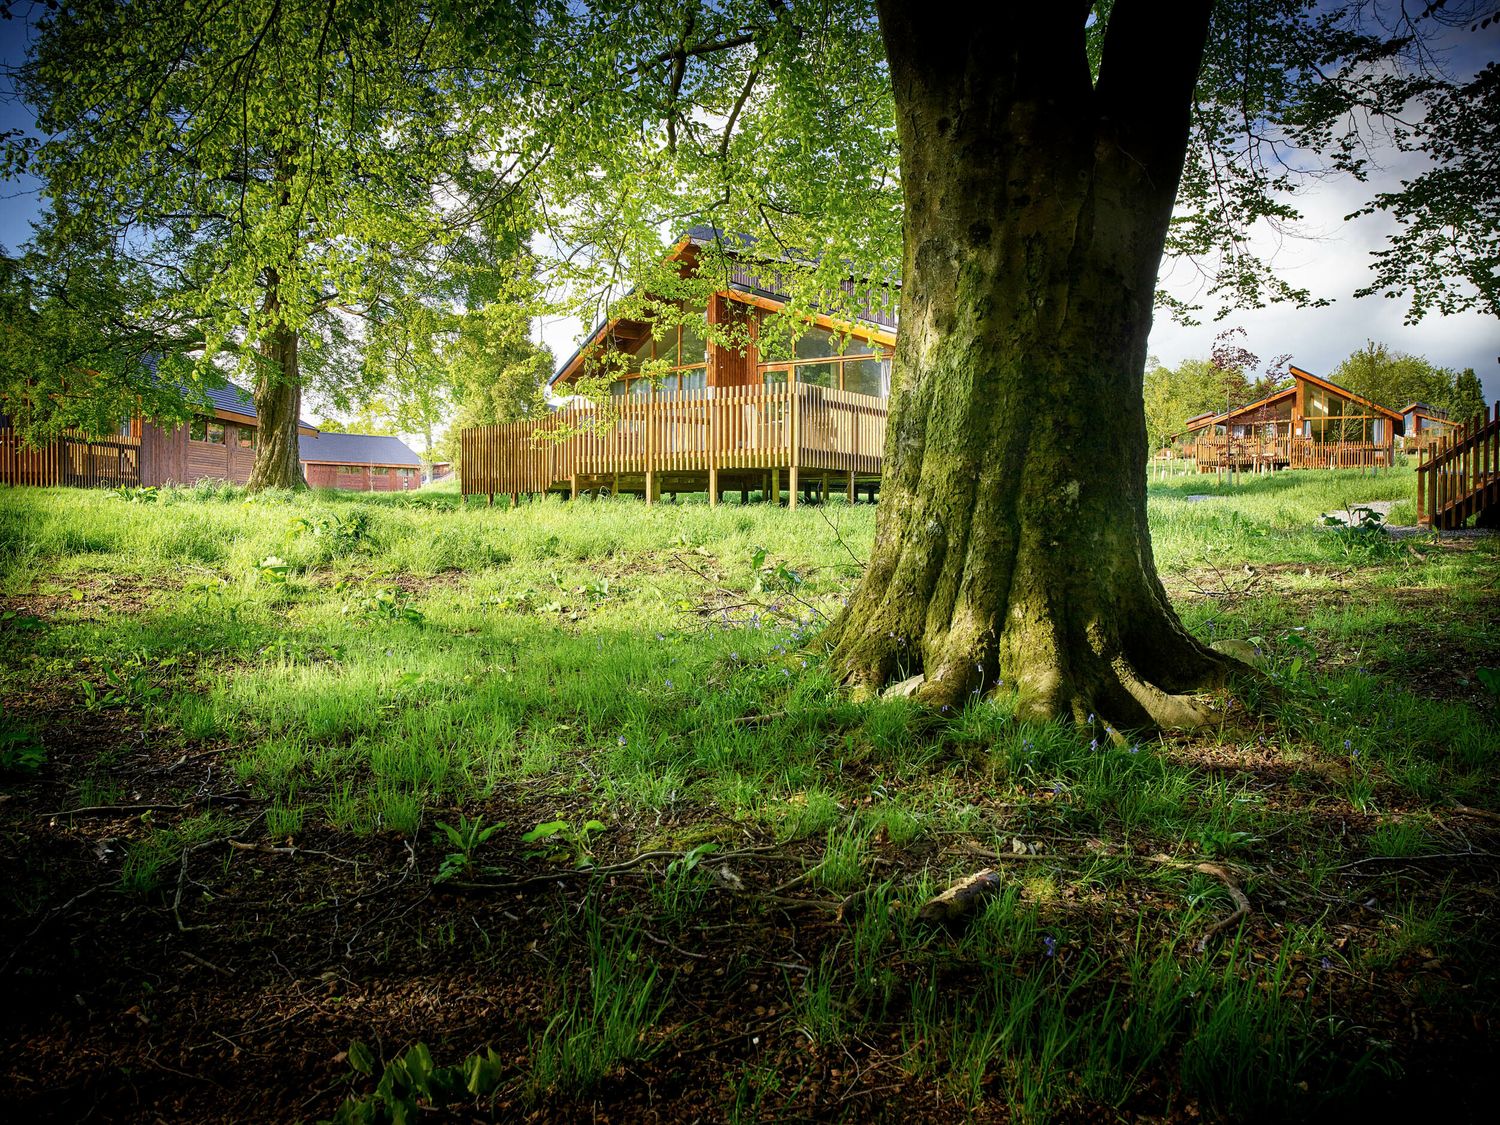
[1460,477]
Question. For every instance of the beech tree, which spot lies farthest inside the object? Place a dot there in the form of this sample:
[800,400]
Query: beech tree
[269,166]
[1044,168]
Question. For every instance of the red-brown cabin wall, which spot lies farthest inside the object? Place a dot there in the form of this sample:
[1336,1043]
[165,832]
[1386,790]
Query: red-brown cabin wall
[729,367]
[368,478]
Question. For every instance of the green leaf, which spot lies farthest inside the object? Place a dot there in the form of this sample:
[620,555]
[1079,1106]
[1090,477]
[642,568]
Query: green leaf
[361,1058]
[544,831]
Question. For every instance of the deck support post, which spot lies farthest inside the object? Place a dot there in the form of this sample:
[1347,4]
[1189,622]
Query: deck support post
[744,497]
[650,487]
[791,487]
[774,495]
[515,500]
[851,486]
[614,485]
[490,500]
[573,487]
[823,490]
[713,487]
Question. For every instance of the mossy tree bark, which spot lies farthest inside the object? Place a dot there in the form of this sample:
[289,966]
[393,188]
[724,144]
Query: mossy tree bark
[1011,544]
[278,405]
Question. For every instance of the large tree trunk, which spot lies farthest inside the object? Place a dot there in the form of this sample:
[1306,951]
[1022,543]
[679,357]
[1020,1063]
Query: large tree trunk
[1011,545]
[278,405]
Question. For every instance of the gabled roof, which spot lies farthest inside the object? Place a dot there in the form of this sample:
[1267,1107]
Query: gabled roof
[356,449]
[1258,404]
[1304,377]
[233,400]
[1437,414]
[748,287]
[1319,381]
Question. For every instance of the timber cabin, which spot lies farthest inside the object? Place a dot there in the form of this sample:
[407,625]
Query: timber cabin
[363,462]
[211,446]
[1424,426]
[1313,424]
[720,418]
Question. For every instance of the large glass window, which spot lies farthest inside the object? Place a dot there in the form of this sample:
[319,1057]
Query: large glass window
[215,433]
[1334,418]
[819,343]
[198,429]
[866,377]
[819,375]
[245,436]
[694,344]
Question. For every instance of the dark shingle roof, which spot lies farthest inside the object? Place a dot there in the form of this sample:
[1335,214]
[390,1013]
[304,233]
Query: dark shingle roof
[357,449]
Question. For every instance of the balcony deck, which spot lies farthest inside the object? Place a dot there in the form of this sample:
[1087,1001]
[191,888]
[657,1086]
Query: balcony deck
[714,440]
[1266,454]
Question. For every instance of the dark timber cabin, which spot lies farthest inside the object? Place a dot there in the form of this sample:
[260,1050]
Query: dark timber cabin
[218,444]
[211,446]
[720,419]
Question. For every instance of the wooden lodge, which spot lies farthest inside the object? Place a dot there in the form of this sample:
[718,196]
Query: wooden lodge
[710,419]
[1313,424]
[218,444]
[1425,426]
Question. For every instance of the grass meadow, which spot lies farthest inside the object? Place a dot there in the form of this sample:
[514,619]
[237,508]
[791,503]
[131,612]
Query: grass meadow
[326,806]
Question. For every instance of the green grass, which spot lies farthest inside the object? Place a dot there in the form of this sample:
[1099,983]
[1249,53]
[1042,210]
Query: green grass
[412,659]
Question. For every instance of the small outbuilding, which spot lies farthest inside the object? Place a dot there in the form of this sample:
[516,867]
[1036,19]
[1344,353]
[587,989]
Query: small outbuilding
[361,462]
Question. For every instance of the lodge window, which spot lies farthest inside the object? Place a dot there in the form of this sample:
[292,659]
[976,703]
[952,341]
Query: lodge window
[351,470]
[1333,418]
[201,429]
[827,359]
[197,429]
[245,435]
[682,350]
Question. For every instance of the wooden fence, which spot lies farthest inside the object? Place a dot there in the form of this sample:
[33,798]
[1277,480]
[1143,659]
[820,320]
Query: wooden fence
[74,460]
[1255,454]
[772,427]
[1461,477]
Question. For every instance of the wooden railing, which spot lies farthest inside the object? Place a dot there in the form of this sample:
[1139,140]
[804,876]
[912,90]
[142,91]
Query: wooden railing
[72,459]
[1461,477]
[728,428]
[1289,453]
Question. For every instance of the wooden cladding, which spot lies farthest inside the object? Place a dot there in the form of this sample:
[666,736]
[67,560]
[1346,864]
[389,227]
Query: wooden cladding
[755,427]
[1460,477]
[74,460]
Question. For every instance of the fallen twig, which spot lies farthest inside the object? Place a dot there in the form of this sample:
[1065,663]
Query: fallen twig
[606,869]
[1221,873]
[1469,810]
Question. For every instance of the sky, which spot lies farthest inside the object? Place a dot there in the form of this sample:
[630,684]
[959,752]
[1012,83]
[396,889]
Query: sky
[1332,260]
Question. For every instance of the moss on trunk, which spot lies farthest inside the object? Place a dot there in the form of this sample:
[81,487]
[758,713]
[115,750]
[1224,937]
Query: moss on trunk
[1012,546]
[278,404]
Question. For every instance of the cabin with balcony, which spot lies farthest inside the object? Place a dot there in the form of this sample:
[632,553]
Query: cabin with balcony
[1313,424]
[1424,426]
[684,413]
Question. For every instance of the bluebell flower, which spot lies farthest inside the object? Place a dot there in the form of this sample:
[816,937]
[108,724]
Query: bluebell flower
[669,685]
[1050,944]
[1327,964]
[621,740]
